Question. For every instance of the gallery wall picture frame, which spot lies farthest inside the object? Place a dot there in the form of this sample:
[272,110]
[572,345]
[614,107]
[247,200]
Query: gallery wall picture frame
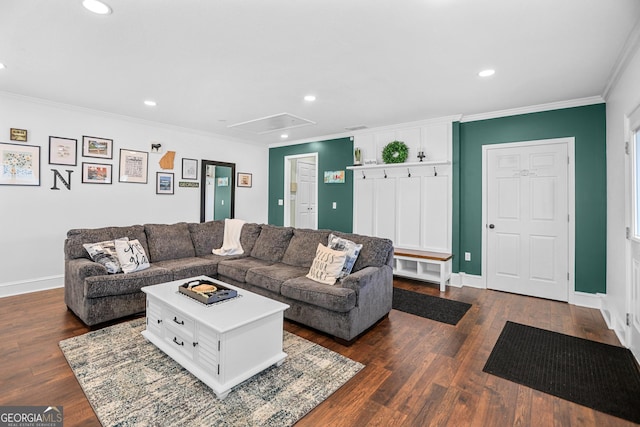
[189,168]
[223,181]
[19,164]
[245,179]
[133,166]
[63,151]
[18,135]
[164,183]
[97,173]
[93,146]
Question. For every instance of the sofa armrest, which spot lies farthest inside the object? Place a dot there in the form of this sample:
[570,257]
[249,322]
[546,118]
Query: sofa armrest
[75,271]
[369,276]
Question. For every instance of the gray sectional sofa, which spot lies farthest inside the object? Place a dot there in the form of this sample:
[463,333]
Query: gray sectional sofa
[274,264]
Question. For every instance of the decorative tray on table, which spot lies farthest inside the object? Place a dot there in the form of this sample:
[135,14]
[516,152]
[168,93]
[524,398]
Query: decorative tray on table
[206,291]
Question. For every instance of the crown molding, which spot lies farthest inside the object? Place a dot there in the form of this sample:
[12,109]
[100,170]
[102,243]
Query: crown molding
[580,102]
[630,48]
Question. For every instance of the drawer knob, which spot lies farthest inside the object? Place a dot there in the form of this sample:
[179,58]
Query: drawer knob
[175,340]
[179,322]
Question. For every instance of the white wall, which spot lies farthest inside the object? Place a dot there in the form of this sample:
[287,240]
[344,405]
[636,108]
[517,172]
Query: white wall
[623,97]
[34,220]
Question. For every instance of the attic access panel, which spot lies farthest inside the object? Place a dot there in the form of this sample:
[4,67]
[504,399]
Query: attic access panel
[272,123]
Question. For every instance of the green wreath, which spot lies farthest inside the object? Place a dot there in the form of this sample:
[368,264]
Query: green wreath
[395,152]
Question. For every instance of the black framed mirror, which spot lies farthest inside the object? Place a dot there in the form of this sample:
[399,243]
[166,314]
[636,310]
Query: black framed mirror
[217,190]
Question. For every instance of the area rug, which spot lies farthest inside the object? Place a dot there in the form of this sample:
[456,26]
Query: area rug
[434,308]
[599,376]
[130,382]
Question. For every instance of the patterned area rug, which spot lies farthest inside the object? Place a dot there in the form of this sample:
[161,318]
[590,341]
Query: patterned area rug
[130,382]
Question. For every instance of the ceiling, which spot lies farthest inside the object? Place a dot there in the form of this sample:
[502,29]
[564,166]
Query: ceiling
[213,64]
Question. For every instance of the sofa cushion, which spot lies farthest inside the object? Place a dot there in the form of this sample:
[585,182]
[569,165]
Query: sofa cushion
[302,247]
[327,265]
[334,298]
[105,253]
[131,255]
[271,277]
[120,284]
[76,237]
[272,243]
[374,253]
[184,268]
[237,269]
[206,236]
[248,236]
[351,250]
[170,241]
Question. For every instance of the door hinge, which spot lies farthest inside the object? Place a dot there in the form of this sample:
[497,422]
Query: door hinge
[627,232]
[218,369]
[567,275]
[628,319]
[568,159]
[218,345]
[568,218]
[626,147]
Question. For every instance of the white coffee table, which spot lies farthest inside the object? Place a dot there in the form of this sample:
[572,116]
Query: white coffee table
[221,344]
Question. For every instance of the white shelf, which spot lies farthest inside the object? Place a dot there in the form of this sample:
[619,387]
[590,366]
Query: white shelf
[400,165]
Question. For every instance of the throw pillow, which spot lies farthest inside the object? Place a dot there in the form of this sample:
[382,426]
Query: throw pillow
[131,255]
[105,254]
[351,249]
[326,265]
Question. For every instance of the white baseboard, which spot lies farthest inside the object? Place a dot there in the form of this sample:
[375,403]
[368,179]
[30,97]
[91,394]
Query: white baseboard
[584,299]
[614,320]
[471,280]
[32,285]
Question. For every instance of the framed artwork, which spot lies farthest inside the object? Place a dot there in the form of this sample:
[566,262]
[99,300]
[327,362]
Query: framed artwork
[93,146]
[244,179]
[18,134]
[133,166]
[164,183]
[334,177]
[20,164]
[63,151]
[223,181]
[96,173]
[189,169]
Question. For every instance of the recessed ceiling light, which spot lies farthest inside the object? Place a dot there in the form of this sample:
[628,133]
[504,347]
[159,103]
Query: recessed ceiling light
[2,66]
[487,73]
[310,98]
[150,103]
[96,6]
[284,136]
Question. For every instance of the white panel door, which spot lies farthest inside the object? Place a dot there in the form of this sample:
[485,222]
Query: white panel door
[527,216]
[306,212]
[633,190]
[385,208]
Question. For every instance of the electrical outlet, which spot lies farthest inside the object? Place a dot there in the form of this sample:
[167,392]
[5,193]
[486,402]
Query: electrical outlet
[467,256]
[280,202]
[334,205]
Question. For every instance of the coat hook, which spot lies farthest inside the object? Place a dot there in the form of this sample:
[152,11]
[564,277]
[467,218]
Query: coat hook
[363,175]
[409,172]
[435,171]
[385,172]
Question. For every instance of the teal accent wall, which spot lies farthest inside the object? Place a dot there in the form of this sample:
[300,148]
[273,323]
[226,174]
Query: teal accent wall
[220,210]
[588,126]
[333,155]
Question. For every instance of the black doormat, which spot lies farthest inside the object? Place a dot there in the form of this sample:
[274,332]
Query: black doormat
[599,376]
[434,308]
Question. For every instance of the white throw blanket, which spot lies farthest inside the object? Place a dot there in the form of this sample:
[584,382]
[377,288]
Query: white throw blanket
[231,240]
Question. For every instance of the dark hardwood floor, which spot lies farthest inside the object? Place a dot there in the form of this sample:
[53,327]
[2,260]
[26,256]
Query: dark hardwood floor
[418,372]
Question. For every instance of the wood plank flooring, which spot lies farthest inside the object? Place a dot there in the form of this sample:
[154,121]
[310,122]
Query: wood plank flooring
[418,372]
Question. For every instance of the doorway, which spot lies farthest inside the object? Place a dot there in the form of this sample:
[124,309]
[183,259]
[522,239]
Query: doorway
[633,234]
[528,217]
[301,191]
[217,190]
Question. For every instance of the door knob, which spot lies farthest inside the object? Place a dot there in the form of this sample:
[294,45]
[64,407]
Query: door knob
[492,226]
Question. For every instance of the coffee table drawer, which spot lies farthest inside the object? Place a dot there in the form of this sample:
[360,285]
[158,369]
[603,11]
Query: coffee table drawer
[180,342]
[178,322]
